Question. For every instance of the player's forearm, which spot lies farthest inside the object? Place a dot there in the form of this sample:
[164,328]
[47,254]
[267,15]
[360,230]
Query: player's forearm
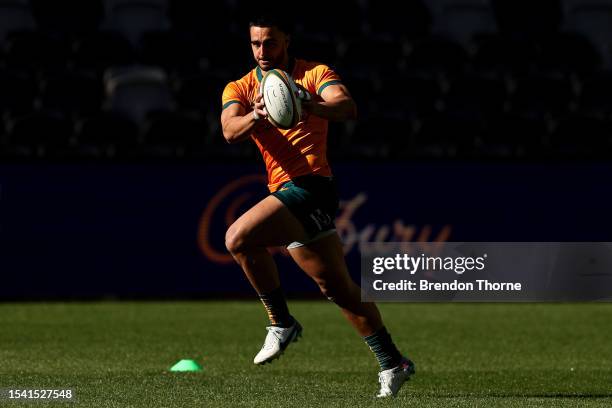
[239,128]
[335,110]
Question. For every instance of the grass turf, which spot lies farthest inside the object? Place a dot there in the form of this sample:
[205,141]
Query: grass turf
[117,354]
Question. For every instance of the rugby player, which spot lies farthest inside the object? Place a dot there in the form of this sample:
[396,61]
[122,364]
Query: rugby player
[300,209]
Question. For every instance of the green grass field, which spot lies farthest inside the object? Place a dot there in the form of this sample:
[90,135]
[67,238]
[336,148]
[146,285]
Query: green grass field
[118,355]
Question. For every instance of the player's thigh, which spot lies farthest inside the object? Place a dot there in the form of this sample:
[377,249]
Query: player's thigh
[323,260]
[267,223]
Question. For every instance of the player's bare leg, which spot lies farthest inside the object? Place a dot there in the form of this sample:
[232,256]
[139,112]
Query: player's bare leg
[248,238]
[268,223]
[323,260]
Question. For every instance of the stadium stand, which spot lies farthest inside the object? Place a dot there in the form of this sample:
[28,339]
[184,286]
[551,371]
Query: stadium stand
[462,20]
[132,18]
[137,91]
[592,19]
[15,15]
[107,135]
[447,79]
[68,18]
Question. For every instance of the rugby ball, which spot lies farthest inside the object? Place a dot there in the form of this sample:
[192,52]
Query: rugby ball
[282,105]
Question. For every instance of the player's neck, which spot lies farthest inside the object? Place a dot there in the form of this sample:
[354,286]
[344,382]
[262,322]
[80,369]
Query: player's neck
[287,65]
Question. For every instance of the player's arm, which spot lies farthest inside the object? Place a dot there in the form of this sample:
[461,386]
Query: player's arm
[335,104]
[237,124]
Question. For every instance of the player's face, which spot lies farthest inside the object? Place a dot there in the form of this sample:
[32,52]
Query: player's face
[269,45]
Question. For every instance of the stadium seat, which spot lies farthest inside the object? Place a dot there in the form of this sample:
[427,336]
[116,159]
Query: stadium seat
[101,50]
[135,91]
[397,137]
[338,140]
[34,51]
[348,20]
[568,53]
[3,140]
[446,136]
[528,19]
[594,96]
[19,91]
[582,137]
[197,17]
[233,58]
[174,135]
[476,95]
[569,4]
[107,135]
[375,138]
[370,54]
[512,136]
[201,93]
[69,18]
[412,95]
[134,17]
[365,91]
[541,95]
[175,51]
[71,92]
[15,15]
[592,19]
[40,134]
[413,21]
[501,54]
[437,54]
[315,48]
[461,20]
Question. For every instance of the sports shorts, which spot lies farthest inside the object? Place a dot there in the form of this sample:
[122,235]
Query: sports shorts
[313,200]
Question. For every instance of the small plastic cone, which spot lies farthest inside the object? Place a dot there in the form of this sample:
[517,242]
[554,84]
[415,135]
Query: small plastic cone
[186,365]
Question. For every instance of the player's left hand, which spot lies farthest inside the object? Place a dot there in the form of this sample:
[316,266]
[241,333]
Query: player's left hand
[305,97]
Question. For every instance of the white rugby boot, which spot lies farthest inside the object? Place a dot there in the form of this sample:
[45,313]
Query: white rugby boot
[391,380]
[277,340]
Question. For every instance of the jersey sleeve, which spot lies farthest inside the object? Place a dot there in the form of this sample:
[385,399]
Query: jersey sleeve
[324,76]
[233,93]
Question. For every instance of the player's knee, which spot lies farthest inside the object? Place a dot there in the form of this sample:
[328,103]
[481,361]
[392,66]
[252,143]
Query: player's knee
[234,240]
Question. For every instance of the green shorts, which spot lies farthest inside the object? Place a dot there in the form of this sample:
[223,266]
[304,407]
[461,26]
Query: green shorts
[313,200]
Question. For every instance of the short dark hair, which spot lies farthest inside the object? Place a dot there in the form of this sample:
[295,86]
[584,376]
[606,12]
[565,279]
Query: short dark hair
[272,17]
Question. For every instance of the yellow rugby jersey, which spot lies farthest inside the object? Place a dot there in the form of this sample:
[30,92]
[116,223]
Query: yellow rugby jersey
[294,152]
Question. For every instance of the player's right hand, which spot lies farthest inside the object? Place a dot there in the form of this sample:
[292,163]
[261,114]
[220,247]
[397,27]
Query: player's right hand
[260,107]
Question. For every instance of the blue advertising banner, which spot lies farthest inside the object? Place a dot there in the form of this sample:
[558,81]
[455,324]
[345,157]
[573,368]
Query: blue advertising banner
[110,230]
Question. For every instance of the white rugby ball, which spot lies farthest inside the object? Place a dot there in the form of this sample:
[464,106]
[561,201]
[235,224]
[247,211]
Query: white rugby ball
[282,105]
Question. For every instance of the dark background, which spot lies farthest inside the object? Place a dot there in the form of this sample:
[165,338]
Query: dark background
[452,79]
[491,117]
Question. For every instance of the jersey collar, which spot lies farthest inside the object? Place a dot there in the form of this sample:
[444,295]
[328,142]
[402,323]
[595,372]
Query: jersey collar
[289,69]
